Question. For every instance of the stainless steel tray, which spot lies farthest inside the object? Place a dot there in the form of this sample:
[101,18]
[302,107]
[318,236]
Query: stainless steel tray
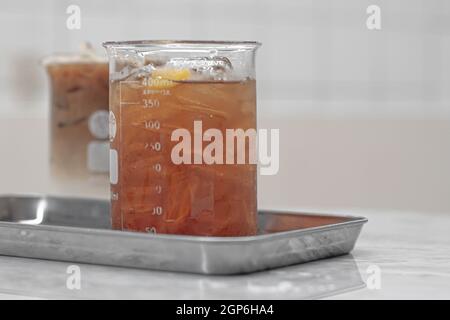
[79,230]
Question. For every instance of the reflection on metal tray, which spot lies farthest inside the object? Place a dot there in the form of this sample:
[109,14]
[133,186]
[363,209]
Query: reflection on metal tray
[79,230]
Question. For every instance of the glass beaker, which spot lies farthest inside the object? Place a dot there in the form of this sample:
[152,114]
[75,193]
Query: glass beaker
[78,115]
[169,101]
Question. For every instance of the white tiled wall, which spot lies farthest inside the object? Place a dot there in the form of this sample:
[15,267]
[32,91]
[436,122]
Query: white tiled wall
[366,110]
[317,55]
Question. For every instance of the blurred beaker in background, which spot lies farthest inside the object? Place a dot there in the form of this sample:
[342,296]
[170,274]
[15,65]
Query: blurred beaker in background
[79,145]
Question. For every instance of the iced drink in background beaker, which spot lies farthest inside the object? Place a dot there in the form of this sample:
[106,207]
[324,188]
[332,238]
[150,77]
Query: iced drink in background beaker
[157,87]
[79,92]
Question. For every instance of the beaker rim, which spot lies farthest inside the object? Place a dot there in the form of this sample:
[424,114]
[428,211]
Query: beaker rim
[177,43]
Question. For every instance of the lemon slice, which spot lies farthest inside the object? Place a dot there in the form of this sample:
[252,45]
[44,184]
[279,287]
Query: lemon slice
[165,77]
[171,74]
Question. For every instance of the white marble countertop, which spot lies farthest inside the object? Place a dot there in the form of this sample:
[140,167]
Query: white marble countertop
[412,251]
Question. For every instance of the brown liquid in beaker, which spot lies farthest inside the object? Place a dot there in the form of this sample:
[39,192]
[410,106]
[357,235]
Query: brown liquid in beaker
[152,193]
[79,115]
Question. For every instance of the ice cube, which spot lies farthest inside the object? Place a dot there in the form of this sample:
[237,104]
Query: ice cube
[129,67]
[130,73]
[204,68]
[156,62]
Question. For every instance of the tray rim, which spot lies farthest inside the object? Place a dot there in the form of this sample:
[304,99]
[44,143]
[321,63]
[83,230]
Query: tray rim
[351,222]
